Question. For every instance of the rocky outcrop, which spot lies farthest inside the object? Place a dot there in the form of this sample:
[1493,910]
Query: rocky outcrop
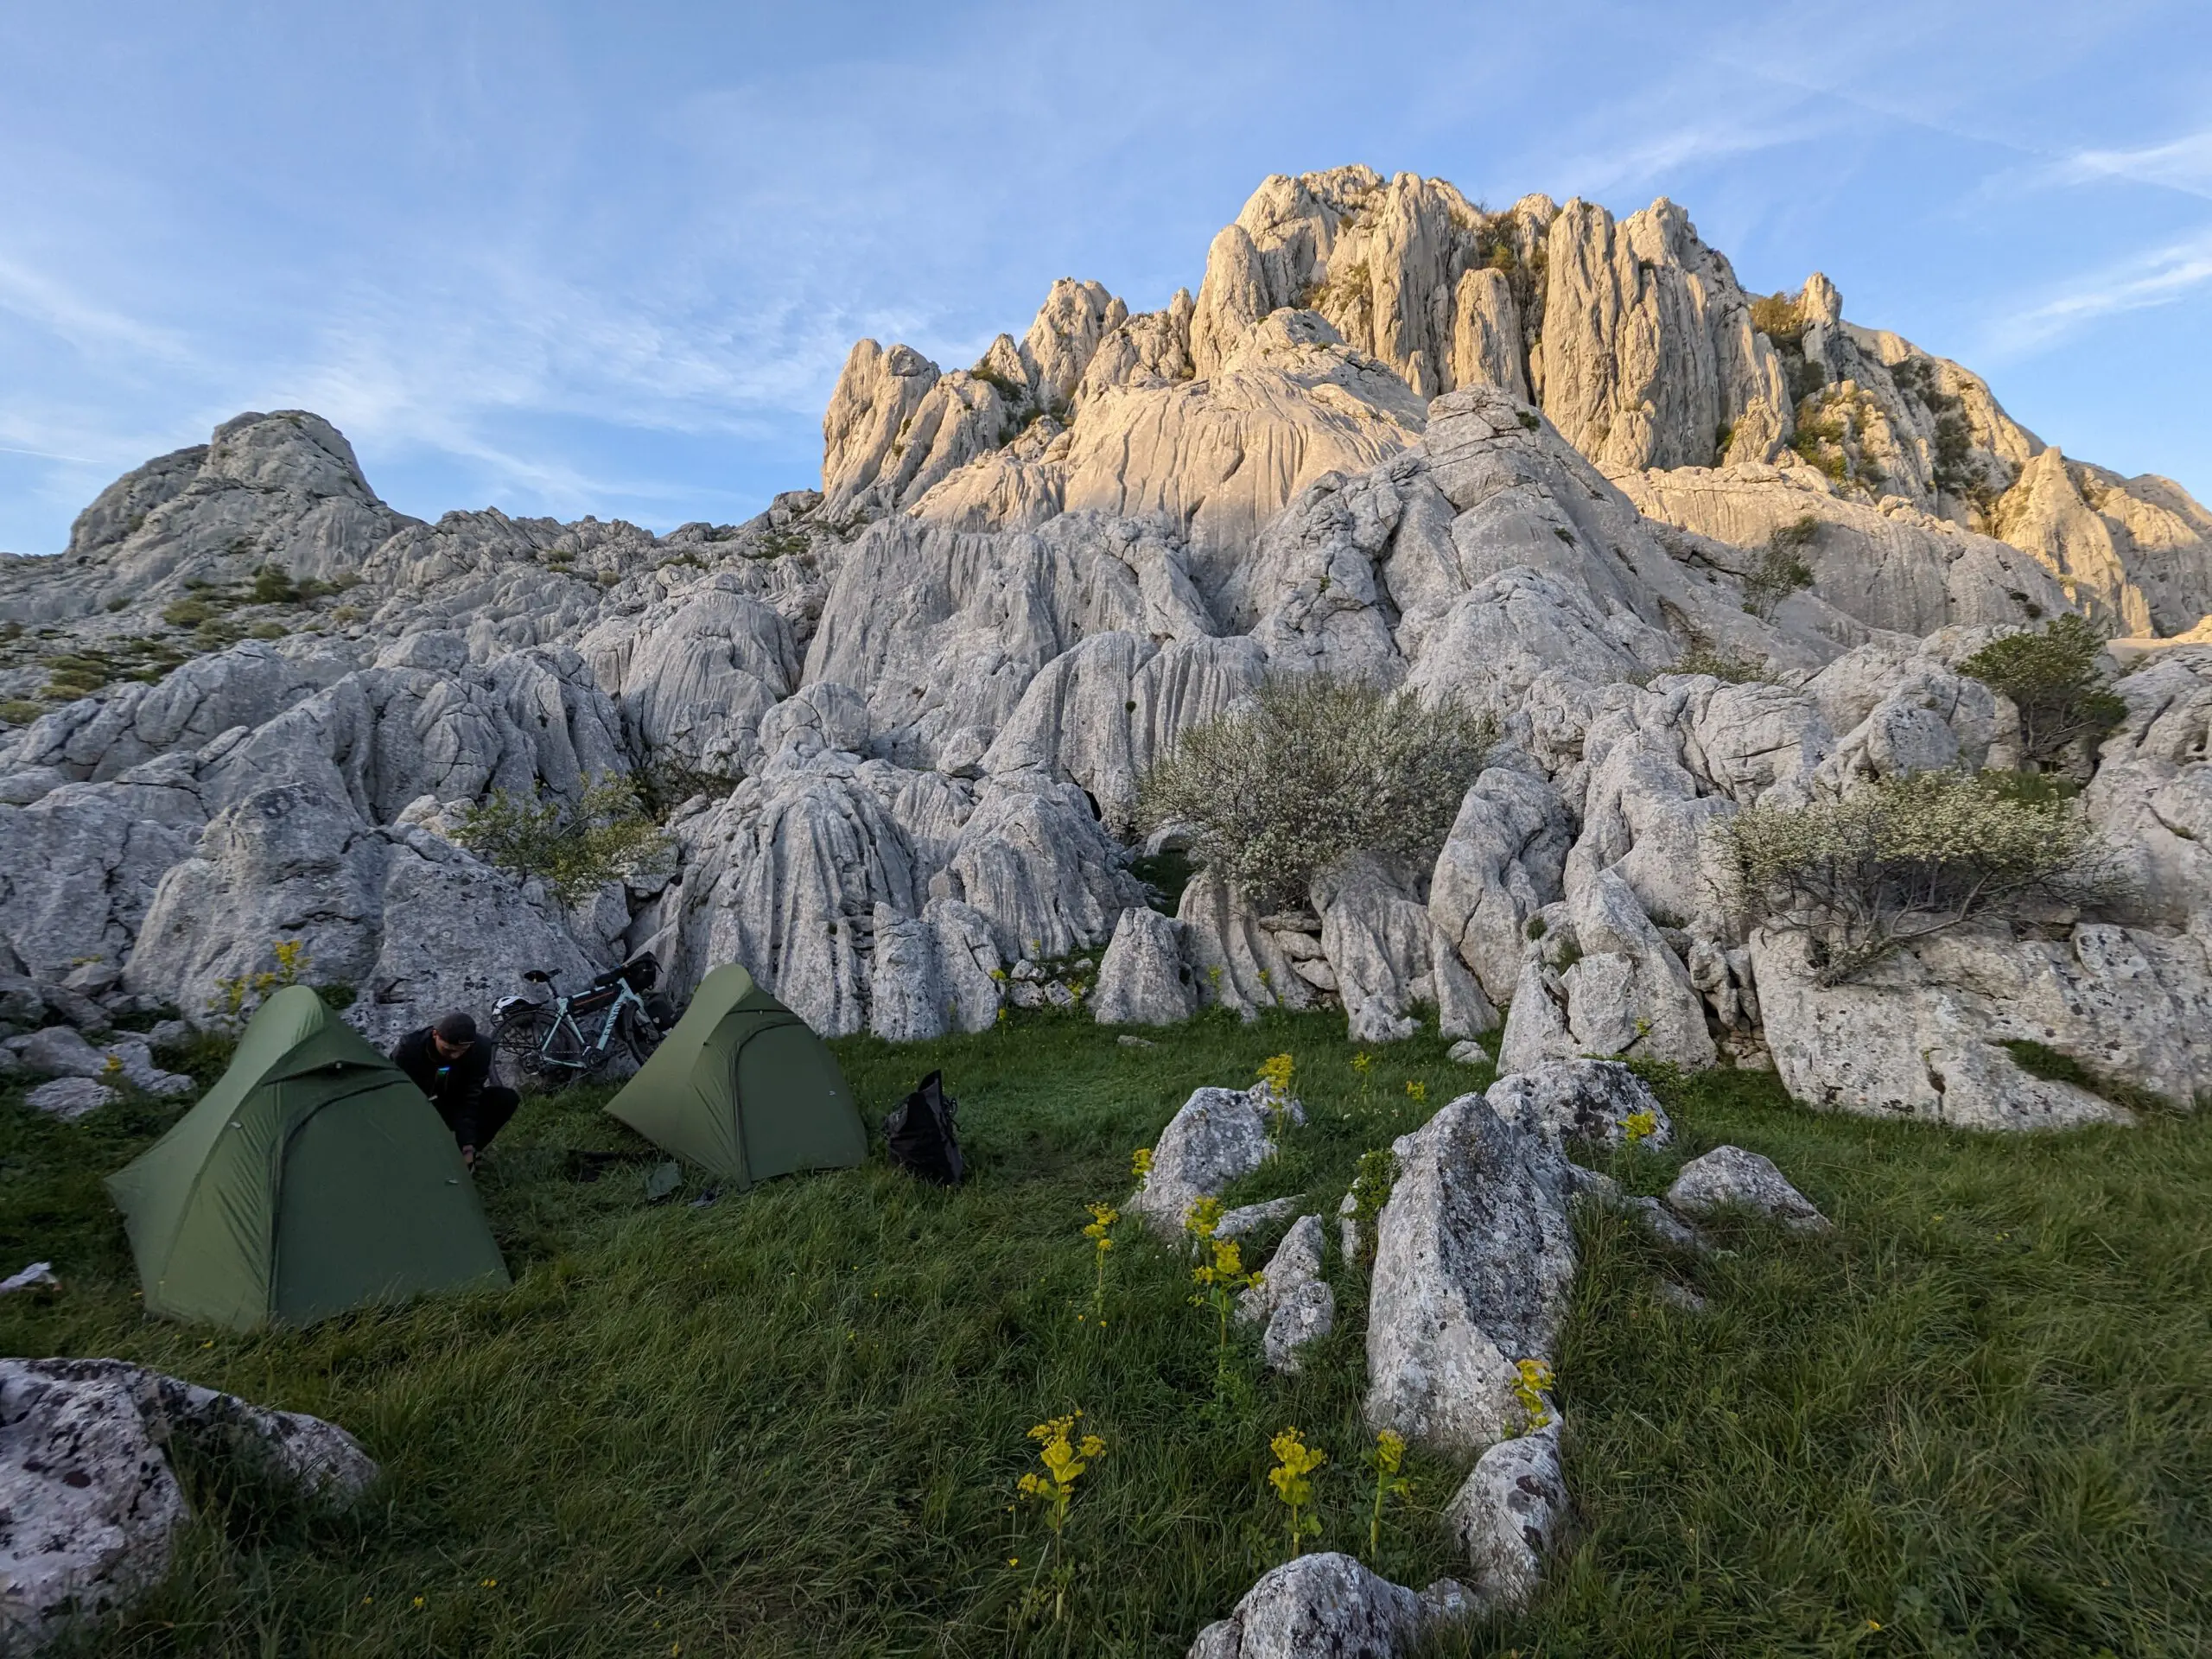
[1473,1256]
[1528,461]
[1923,1034]
[1649,351]
[414,924]
[89,1502]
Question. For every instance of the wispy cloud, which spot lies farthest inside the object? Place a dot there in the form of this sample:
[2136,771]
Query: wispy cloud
[2183,164]
[2159,278]
[42,299]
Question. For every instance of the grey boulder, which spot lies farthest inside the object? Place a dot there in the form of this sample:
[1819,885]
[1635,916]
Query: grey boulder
[89,1503]
[1329,1606]
[1508,1515]
[1143,979]
[1729,1177]
[1292,1297]
[1220,1136]
[69,1098]
[1582,1100]
[1474,1254]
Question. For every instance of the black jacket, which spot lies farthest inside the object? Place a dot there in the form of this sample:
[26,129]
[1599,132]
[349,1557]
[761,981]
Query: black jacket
[456,1087]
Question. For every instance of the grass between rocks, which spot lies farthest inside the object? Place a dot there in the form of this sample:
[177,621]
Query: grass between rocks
[1972,1420]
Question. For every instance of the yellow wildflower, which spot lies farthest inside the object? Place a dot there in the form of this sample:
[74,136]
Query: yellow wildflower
[1385,1459]
[1533,1377]
[1294,1462]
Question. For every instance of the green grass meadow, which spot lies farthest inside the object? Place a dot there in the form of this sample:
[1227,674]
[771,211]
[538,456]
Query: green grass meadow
[1977,1419]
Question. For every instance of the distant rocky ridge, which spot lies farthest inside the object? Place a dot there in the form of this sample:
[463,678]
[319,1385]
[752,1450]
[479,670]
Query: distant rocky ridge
[1530,459]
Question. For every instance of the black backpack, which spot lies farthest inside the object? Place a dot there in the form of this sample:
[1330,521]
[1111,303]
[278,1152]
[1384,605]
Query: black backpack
[921,1134]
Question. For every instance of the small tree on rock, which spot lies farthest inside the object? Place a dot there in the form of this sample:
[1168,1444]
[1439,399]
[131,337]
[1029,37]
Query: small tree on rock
[1905,859]
[574,848]
[1309,768]
[2052,676]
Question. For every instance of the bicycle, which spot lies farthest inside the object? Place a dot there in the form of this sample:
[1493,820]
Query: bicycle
[553,1046]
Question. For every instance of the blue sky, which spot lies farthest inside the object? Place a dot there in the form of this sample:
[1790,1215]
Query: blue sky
[574,258]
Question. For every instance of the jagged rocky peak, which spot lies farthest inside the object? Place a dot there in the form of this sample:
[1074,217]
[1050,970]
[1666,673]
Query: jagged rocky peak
[1728,415]
[1536,461]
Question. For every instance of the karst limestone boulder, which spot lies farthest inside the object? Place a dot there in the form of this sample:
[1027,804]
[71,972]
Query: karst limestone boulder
[1218,1137]
[1293,1302]
[1143,979]
[1474,1252]
[1729,1177]
[1509,1515]
[90,1502]
[1326,1604]
[1597,1101]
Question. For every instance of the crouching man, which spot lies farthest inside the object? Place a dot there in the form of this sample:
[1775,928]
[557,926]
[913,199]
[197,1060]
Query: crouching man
[451,1064]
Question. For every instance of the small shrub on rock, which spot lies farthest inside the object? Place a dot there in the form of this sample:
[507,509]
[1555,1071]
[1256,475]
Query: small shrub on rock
[572,848]
[1311,768]
[1730,667]
[1903,859]
[1782,570]
[2052,676]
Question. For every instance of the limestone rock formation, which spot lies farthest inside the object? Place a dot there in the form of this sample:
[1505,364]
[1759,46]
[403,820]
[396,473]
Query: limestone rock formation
[89,1503]
[1729,1177]
[1327,1603]
[1534,461]
[1473,1255]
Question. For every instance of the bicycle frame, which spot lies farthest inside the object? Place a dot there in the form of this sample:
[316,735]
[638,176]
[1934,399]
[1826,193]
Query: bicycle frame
[563,1014]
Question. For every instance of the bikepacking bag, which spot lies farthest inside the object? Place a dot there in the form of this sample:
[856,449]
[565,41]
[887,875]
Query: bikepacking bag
[921,1134]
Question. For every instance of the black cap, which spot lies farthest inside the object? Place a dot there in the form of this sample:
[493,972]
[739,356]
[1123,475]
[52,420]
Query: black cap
[458,1029]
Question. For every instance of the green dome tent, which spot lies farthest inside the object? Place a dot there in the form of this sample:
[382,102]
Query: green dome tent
[312,1178]
[745,1087]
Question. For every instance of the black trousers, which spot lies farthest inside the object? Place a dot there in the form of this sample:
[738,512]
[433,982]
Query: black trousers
[494,1106]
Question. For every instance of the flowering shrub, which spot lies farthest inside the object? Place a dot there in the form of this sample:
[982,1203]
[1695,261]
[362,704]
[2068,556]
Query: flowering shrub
[1220,1275]
[238,997]
[1309,768]
[1064,1459]
[1903,859]
[1100,1232]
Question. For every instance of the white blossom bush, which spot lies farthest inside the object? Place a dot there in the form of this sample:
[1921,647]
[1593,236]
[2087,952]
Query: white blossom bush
[1907,858]
[1309,768]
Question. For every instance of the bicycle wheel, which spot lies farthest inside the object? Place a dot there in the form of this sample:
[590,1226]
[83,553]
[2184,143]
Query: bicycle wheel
[543,1047]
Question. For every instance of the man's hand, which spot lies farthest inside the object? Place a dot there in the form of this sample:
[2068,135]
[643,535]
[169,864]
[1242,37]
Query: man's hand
[468,1158]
